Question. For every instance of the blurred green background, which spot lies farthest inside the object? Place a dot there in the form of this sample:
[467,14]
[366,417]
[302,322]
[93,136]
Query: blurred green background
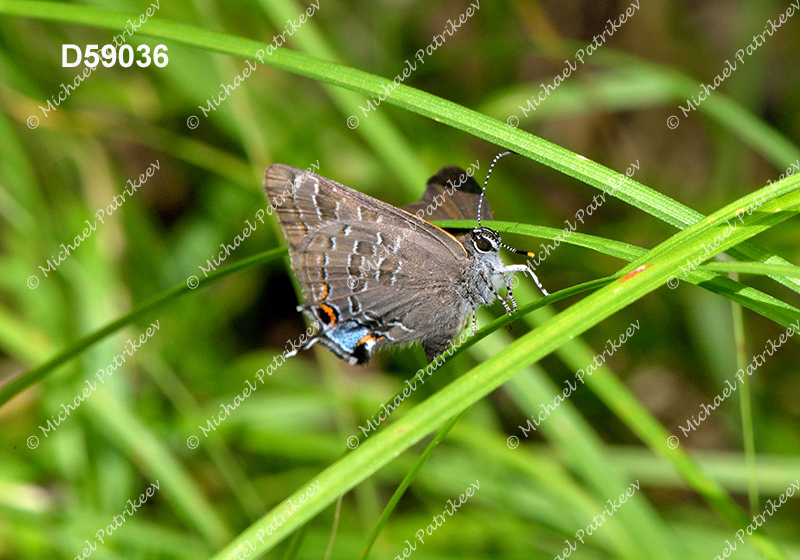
[134,430]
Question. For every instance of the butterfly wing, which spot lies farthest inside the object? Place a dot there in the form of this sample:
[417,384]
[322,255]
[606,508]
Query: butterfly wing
[352,253]
[451,194]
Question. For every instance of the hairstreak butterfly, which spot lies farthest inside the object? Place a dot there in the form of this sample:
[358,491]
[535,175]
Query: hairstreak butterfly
[376,275]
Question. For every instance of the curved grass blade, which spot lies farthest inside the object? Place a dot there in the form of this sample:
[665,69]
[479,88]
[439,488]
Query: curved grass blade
[422,103]
[676,262]
[611,392]
[759,302]
[746,296]
[640,532]
[648,275]
[504,320]
[378,131]
[634,84]
[25,380]
[611,247]
[746,409]
[407,482]
[754,268]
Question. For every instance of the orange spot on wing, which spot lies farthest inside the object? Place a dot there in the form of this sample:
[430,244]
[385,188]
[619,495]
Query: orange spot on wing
[370,338]
[329,312]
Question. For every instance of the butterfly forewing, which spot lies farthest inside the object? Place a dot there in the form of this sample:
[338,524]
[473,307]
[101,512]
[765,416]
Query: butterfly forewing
[352,253]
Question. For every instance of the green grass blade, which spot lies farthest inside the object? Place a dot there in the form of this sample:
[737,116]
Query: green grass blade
[407,482]
[144,448]
[759,302]
[634,84]
[639,532]
[30,377]
[649,275]
[504,320]
[611,247]
[745,407]
[377,130]
[754,268]
[414,100]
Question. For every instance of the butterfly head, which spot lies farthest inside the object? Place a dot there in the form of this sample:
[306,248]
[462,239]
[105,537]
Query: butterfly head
[487,240]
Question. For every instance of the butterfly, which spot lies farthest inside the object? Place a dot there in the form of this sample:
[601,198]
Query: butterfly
[375,275]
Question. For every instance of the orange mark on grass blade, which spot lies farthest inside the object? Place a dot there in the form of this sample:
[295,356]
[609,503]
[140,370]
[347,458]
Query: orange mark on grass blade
[633,273]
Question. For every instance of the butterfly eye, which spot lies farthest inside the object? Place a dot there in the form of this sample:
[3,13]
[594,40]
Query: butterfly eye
[482,244]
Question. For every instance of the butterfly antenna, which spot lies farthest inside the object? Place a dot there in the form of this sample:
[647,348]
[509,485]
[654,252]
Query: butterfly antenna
[480,200]
[517,251]
[486,182]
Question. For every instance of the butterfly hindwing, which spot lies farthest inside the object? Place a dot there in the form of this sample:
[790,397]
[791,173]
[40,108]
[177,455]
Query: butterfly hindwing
[451,194]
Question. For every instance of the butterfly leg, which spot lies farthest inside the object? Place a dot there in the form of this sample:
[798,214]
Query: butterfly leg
[503,301]
[474,322]
[491,288]
[525,268]
[510,297]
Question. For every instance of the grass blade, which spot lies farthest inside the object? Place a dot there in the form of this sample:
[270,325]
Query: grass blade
[648,275]
[407,482]
[422,103]
[30,377]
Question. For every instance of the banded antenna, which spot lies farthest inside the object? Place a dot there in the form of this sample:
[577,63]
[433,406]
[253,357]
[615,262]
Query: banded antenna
[486,182]
[480,202]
